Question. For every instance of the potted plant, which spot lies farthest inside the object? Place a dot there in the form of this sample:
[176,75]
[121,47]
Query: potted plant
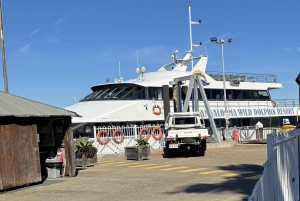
[85,153]
[139,152]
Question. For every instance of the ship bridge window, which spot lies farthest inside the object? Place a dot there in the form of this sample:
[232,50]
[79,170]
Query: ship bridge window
[119,92]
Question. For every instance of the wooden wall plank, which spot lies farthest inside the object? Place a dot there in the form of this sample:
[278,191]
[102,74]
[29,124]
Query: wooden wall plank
[20,160]
[36,177]
[7,176]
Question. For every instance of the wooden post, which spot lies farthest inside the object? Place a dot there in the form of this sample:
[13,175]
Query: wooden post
[69,151]
[166,99]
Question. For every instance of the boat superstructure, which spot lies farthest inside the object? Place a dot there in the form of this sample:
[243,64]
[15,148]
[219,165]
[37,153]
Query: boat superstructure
[134,102]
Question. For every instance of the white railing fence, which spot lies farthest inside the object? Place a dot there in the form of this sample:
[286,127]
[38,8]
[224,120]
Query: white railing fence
[119,137]
[280,178]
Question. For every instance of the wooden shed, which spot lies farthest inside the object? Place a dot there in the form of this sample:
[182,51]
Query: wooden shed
[29,131]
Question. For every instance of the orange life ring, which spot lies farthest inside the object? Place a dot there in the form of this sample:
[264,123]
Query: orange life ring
[106,137]
[147,132]
[160,133]
[114,136]
[156,109]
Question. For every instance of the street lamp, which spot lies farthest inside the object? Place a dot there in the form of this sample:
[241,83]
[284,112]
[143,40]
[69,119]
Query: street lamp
[222,42]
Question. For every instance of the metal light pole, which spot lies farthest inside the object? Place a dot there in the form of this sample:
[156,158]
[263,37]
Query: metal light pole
[222,42]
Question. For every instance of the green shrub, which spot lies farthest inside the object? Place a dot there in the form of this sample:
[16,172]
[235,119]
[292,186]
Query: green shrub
[85,147]
[142,141]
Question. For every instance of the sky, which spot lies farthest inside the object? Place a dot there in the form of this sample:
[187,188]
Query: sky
[57,50]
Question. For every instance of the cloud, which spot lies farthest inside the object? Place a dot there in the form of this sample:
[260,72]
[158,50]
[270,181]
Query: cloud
[25,48]
[237,33]
[286,49]
[34,32]
[58,22]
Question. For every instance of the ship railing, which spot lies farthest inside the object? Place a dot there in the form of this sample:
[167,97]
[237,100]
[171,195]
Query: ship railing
[286,102]
[249,134]
[243,77]
[255,103]
[112,143]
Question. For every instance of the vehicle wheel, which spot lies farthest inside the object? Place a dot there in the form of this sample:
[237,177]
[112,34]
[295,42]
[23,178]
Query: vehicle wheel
[166,153]
[201,153]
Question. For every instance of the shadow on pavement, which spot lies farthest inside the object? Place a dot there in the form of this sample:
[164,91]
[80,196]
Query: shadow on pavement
[243,183]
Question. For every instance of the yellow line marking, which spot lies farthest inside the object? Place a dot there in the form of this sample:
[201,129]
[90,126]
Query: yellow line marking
[134,166]
[174,168]
[155,167]
[212,172]
[105,161]
[192,170]
[111,163]
[230,175]
[127,164]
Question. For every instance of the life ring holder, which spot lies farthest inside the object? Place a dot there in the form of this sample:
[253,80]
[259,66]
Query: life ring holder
[114,136]
[106,137]
[154,109]
[157,128]
[274,103]
[147,132]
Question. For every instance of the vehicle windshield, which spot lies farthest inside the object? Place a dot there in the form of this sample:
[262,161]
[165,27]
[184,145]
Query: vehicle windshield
[182,120]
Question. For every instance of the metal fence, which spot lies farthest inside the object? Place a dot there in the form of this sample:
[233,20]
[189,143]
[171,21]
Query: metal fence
[110,140]
[280,178]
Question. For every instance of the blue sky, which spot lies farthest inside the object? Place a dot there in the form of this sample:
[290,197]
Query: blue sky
[56,50]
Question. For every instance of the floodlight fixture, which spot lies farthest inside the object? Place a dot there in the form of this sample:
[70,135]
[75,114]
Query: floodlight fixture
[214,39]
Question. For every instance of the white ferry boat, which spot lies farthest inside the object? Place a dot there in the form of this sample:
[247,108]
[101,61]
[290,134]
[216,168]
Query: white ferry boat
[140,101]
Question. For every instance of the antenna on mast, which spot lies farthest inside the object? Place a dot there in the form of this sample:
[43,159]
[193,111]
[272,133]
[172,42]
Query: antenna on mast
[191,40]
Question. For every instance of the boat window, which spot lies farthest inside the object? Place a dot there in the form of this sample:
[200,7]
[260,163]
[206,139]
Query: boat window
[255,95]
[116,92]
[237,94]
[207,92]
[216,94]
[155,93]
[263,95]
[246,95]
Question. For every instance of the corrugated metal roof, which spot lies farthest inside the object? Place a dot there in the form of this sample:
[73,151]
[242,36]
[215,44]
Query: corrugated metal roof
[11,105]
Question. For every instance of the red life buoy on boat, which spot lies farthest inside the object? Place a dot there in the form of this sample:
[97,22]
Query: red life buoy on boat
[156,109]
[106,137]
[157,128]
[146,131]
[114,136]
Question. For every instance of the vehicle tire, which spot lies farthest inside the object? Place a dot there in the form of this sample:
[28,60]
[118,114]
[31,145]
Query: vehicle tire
[166,153]
[201,153]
